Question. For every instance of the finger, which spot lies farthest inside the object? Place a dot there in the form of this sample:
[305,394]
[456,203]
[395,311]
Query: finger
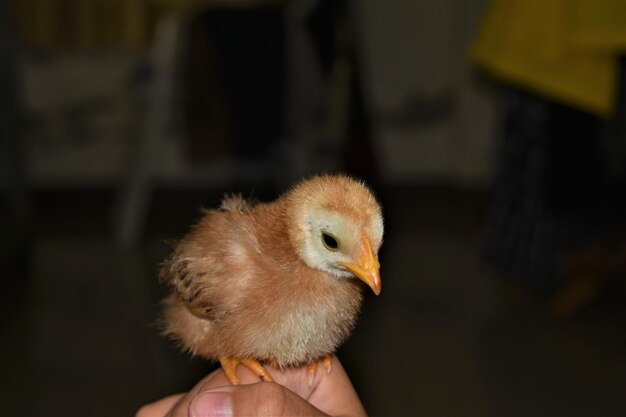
[335,395]
[332,392]
[159,408]
[259,399]
[180,409]
[296,379]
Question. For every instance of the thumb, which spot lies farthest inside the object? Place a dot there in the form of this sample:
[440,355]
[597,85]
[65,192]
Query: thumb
[260,399]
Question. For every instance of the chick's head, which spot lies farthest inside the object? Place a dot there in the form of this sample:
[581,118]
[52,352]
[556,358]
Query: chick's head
[336,226]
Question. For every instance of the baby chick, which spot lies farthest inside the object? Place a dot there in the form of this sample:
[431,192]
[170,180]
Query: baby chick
[275,282]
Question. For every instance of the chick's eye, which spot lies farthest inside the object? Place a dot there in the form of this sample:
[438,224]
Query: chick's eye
[330,242]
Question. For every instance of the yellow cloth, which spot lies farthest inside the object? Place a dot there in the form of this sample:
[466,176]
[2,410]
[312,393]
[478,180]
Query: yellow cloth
[565,50]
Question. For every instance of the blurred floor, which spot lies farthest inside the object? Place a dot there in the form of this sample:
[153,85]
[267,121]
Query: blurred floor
[447,336]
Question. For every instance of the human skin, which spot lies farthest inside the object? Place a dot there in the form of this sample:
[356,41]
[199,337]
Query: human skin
[331,394]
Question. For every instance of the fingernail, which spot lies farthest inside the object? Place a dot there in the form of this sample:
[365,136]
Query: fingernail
[211,403]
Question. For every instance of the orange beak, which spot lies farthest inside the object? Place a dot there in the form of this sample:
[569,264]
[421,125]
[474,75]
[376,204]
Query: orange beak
[367,267]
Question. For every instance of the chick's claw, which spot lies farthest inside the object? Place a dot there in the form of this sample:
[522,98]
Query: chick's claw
[229,366]
[312,368]
[258,369]
[327,363]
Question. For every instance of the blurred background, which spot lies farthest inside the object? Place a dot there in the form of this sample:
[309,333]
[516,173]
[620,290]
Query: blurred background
[493,132]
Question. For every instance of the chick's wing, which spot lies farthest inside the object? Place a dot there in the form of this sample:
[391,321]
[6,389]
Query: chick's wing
[209,266]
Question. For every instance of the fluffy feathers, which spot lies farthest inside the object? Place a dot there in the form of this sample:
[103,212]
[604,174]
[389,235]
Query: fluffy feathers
[259,281]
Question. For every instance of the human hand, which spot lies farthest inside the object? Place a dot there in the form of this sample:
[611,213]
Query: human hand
[331,394]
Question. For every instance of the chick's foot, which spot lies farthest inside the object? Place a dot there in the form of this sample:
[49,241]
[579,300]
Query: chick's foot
[327,362]
[229,366]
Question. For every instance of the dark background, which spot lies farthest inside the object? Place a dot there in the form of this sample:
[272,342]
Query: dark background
[504,257]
